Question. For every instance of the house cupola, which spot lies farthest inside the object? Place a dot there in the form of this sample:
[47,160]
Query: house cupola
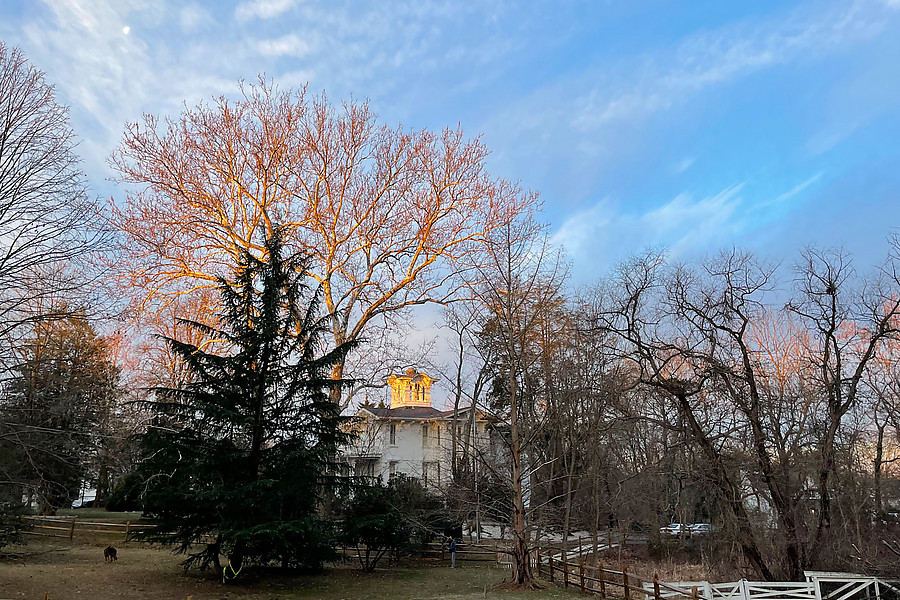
[410,389]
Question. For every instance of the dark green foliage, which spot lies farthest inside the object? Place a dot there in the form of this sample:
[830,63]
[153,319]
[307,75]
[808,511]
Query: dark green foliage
[11,523]
[237,460]
[11,508]
[374,524]
[126,495]
[390,518]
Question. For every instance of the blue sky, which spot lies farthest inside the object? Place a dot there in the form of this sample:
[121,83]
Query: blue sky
[687,125]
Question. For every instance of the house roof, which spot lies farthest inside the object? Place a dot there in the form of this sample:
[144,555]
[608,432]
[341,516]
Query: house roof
[414,412]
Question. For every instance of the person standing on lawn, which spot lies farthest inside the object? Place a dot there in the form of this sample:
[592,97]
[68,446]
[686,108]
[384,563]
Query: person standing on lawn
[451,545]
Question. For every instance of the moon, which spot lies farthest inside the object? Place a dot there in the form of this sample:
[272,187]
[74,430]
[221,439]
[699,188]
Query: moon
[126,30]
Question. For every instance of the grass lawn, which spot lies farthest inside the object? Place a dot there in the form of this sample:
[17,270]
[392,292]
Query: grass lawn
[77,571]
[99,514]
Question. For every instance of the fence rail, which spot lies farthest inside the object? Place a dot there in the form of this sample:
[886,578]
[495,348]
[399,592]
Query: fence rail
[595,579]
[65,527]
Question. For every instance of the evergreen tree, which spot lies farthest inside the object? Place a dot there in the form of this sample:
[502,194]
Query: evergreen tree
[238,458]
[53,409]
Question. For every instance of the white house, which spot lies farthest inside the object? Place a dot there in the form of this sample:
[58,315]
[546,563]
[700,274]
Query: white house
[411,436]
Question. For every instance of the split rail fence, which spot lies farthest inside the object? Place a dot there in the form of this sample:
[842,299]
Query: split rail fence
[597,579]
[68,527]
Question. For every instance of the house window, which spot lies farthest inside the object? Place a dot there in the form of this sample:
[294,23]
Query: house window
[424,434]
[392,468]
[431,473]
[393,435]
[364,468]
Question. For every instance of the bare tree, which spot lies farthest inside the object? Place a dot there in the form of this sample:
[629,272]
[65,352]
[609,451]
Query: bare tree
[47,221]
[850,324]
[519,283]
[762,393]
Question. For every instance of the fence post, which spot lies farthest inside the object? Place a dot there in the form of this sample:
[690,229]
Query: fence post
[127,529]
[539,561]
[695,594]
[625,582]
[551,567]
[656,586]
[579,547]
[602,580]
[566,567]
[72,530]
[581,574]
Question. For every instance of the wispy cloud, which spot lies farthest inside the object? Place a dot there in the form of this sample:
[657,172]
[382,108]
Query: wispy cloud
[602,103]
[683,165]
[262,9]
[682,225]
[602,234]
[288,45]
[192,16]
[791,193]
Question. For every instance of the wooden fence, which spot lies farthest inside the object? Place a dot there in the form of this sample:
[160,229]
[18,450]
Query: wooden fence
[596,579]
[68,527]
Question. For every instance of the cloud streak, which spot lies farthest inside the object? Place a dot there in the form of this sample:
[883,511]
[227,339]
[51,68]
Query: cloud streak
[602,234]
[604,102]
[262,9]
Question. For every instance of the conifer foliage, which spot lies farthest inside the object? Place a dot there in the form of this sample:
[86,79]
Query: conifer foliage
[238,458]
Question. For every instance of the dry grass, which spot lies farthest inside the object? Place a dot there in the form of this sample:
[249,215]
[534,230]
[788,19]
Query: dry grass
[67,571]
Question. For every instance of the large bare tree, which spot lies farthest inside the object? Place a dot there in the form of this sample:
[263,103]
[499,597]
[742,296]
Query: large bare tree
[391,218]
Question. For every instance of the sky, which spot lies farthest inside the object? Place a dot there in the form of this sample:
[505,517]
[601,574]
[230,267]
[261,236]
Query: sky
[691,126]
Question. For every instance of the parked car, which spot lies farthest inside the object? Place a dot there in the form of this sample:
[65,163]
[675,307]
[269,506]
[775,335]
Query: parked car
[701,528]
[674,529]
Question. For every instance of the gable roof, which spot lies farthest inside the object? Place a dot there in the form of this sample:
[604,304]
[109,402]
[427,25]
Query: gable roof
[415,413]
[405,412]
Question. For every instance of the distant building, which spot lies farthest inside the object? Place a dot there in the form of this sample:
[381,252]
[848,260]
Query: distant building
[411,436]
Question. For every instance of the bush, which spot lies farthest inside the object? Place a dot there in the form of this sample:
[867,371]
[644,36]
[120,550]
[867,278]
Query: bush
[387,518]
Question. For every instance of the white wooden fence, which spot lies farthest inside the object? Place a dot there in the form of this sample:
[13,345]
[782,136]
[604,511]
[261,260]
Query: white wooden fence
[819,585]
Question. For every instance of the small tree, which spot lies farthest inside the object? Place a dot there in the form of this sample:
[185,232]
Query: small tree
[374,525]
[520,284]
[240,454]
[390,518]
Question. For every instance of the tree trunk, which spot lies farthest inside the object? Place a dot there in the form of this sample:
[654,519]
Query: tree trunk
[879,466]
[730,491]
[521,565]
[336,393]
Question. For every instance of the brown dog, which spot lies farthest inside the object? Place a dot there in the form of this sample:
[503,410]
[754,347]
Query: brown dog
[110,554]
